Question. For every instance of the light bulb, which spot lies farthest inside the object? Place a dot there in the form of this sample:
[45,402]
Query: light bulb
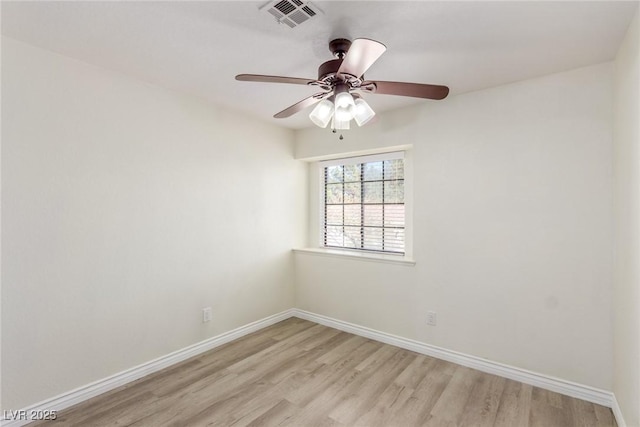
[362,113]
[322,113]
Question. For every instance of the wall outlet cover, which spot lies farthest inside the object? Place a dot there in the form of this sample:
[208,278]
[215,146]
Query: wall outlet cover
[207,314]
[432,318]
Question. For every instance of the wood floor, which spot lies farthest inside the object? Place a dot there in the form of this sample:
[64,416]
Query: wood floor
[298,373]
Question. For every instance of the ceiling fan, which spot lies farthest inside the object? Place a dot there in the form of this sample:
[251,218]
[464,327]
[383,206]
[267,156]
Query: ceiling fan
[341,80]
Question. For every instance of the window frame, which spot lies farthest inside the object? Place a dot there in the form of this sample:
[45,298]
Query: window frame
[408,187]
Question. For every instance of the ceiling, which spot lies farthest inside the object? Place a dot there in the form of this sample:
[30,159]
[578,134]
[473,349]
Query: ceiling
[198,47]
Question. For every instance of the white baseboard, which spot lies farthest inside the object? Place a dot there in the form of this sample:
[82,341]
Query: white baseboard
[617,412]
[580,391]
[88,391]
[558,385]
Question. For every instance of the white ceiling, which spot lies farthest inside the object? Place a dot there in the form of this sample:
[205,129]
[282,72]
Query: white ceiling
[198,47]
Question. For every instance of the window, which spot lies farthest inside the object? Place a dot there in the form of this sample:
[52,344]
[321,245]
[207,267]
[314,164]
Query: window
[364,205]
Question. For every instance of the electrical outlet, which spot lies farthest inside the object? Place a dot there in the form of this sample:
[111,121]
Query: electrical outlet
[432,318]
[206,314]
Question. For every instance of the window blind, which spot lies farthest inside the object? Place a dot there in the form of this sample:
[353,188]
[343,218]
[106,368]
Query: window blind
[364,204]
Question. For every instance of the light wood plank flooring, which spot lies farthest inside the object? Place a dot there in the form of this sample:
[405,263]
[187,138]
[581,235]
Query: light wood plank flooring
[298,373]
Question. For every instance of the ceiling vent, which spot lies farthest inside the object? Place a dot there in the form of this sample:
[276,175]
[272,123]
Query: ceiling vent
[291,12]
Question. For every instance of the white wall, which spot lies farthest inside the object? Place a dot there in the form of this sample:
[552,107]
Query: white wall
[119,234]
[512,227]
[126,209]
[626,302]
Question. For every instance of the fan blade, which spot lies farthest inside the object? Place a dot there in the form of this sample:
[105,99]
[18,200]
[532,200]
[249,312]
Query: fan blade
[299,106]
[416,90]
[272,79]
[360,56]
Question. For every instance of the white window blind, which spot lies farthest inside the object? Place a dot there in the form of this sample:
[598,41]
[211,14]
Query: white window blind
[364,203]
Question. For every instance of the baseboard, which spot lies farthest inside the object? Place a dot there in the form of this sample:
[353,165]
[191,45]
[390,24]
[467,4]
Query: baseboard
[617,412]
[88,391]
[558,385]
[580,391]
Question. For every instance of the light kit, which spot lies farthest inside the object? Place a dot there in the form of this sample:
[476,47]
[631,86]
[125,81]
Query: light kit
[340,110]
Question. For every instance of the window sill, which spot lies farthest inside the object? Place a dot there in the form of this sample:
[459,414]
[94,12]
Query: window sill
[360,256]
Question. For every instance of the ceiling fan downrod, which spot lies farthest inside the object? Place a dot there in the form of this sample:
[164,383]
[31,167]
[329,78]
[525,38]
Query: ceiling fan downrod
[339,47]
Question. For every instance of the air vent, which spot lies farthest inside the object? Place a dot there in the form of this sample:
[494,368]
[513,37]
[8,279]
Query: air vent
[298,17]
[309,11]
[285,7]
[288,22]
[291,12]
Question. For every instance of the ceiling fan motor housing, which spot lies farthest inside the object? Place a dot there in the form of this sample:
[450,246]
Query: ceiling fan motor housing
[328,68]
[327,72]
[339,48]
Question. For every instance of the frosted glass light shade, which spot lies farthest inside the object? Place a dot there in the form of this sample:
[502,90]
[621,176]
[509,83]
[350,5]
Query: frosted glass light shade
[344,107]
[362,112]
[340,124]
[322,113]
[344,99]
